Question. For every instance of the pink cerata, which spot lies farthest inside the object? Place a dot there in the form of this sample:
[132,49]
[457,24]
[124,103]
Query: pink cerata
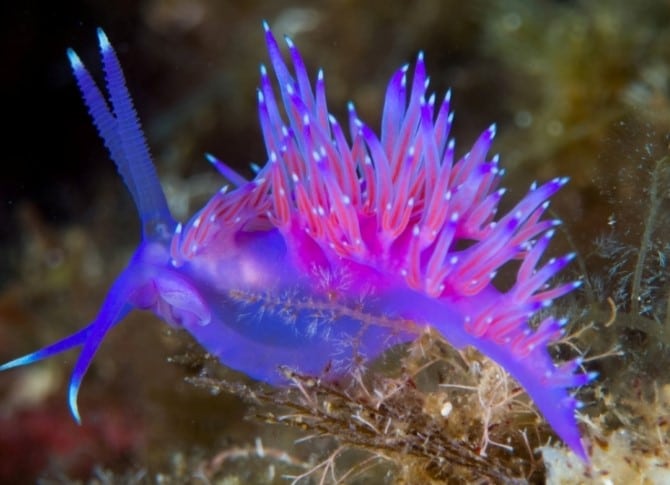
[341,246]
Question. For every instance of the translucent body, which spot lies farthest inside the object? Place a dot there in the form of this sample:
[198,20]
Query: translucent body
[337,251]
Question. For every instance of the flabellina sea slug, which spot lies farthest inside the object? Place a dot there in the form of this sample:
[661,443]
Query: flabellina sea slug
[339,248]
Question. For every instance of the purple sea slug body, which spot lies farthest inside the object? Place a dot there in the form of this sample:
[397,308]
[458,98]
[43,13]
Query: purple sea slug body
[337,249]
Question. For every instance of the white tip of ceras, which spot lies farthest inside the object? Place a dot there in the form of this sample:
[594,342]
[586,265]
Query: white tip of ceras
[265,25]
[592,376]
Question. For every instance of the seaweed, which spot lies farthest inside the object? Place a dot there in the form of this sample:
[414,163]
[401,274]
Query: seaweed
[433,415]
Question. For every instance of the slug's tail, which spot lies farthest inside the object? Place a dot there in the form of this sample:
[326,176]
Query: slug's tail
[120,129]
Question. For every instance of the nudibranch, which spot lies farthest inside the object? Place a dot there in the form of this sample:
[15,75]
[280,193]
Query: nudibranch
[341,246]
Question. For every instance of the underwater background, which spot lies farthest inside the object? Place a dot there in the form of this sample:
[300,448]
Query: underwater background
[576,88]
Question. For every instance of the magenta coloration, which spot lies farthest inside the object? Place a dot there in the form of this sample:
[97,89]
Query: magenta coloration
[338,249]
